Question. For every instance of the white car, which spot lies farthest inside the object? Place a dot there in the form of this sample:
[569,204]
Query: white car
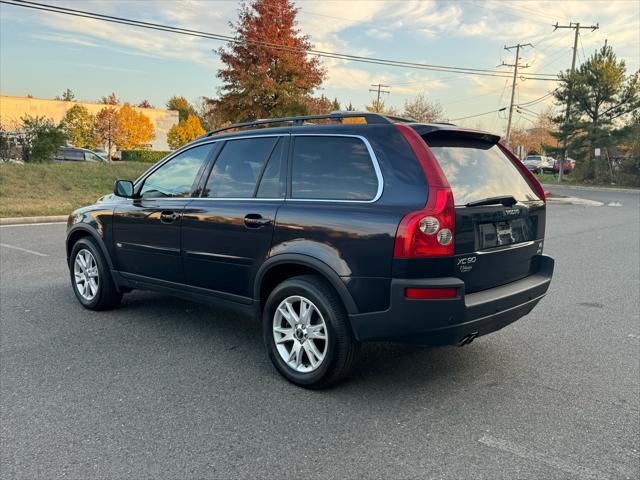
[538,163]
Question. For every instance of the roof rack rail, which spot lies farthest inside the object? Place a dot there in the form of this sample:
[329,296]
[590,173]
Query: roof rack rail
[370,117]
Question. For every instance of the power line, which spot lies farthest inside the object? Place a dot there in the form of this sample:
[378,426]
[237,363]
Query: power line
[537,100]
[230,39]
[584,57]
[478,114]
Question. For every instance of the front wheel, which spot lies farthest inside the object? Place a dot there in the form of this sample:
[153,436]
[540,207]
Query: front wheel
[91,278]
[307,334]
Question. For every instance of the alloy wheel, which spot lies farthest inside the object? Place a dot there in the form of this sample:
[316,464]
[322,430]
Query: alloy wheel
[300,334]
[85,271]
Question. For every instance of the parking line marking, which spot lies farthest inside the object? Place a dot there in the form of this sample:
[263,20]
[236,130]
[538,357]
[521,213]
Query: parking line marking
[522,452]
[23,250]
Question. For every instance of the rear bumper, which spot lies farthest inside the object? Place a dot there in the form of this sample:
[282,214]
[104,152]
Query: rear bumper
[447,322]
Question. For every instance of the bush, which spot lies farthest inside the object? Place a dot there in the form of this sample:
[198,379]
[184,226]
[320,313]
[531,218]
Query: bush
[150,156]
[41,138]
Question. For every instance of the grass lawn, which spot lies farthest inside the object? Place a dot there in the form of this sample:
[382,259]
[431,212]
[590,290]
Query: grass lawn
[58,188]
[570,179]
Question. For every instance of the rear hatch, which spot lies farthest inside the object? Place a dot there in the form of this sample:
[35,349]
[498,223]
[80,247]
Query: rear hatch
[499,222]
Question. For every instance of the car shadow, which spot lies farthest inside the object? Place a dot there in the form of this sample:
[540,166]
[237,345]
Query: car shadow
[382,368]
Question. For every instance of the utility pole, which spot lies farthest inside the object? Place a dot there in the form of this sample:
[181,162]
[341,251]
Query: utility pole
[565,140]
[379,90]
[515,78]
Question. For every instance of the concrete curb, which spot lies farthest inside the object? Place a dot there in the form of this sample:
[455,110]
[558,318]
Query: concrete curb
[574,201]
[597,189]
[33,220]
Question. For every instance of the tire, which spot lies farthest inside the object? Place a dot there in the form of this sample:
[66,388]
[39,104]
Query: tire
[105,295]
[339,349]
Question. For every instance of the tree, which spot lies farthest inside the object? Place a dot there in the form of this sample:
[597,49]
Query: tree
[379,107]
[135,129]
[110,99]
[350,108]
[423,110]
[261,79]
[627,141]
[145,104]
[209,113]
[317,106]
[41,138]
[602,96]
[182,105]
[335,105]
[184,132]
[67,96]
[80,127]
[108,129]
[538,138]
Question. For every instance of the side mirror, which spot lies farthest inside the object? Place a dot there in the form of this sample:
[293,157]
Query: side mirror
[123,188]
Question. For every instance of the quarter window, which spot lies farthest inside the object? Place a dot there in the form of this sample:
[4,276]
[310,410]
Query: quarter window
[332,168]
[176,177]
[238,168]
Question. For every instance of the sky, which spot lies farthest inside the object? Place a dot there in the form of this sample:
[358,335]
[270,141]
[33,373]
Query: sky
[42,53]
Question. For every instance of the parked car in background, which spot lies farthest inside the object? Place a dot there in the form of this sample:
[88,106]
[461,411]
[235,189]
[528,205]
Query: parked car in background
[569,165]
[101,153]
[538,163]
[75,154]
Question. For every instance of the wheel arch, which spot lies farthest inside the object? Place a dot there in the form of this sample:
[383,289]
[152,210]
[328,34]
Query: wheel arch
[280,267]
[82,231]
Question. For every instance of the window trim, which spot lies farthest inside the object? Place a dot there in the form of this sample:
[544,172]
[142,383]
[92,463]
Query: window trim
[214,159]
[372,158]
[209,161]
[288,164]
[138,185]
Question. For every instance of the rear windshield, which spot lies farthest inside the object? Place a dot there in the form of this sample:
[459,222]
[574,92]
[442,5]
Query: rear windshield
[477,170]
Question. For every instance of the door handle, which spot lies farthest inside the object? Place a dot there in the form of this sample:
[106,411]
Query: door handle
[168,216]
[255,220]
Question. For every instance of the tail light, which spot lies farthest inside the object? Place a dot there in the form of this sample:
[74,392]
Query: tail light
[531,178]
[428,232]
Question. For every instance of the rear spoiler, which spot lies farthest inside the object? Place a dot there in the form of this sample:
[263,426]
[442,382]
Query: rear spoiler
[446,130]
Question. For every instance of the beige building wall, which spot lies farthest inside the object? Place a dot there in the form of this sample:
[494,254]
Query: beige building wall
[12,108]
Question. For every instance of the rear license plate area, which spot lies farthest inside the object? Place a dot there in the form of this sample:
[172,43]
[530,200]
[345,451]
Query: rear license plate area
[496,234]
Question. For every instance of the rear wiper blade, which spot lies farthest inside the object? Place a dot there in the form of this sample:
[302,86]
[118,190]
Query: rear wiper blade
[506,200]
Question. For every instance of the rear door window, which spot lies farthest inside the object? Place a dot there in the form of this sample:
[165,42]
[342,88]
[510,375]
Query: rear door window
[332,168]
[477,170]
[237,169]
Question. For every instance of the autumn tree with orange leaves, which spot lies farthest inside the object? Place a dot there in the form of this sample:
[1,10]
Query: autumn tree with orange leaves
[135,129]
[184,132]
[123,128]
[107,129]
[267,73]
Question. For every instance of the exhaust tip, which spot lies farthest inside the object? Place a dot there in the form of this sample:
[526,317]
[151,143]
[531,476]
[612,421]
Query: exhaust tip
[467,339]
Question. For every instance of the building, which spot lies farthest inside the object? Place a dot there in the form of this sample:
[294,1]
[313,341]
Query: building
[12,108]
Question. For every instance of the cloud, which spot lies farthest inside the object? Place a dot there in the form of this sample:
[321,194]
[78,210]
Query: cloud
[72,39]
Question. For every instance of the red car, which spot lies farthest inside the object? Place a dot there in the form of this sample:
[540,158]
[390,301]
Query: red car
[569,165]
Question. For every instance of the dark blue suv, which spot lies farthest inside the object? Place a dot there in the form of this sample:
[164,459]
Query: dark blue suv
[332,229]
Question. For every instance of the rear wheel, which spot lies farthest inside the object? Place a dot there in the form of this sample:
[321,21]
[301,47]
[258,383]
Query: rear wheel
[307,334]
[91,278]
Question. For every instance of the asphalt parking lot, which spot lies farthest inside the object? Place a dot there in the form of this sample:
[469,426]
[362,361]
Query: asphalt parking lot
[164,388]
